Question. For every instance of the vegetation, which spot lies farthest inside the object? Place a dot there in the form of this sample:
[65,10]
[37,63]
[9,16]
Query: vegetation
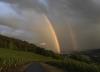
[81,57]
[72,65]
[15,53]
[16,44]
[10,59]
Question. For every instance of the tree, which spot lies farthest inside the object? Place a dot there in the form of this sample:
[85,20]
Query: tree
[12,45]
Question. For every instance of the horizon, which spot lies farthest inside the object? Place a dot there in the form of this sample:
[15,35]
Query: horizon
[61,26]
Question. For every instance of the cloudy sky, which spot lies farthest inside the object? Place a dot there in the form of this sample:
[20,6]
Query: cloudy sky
[74,22]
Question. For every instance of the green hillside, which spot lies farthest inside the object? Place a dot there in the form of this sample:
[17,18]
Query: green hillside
[21,55]
[14,54]
[11,59]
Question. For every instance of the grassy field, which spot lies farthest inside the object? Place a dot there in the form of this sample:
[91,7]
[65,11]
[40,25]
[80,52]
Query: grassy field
[10,58]
[72,65]
[27,56]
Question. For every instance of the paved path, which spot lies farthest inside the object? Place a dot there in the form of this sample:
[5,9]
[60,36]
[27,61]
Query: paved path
[35,67]
[41,67]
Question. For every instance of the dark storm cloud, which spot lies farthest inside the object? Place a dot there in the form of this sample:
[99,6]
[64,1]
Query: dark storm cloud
[25,21]
[82,15]
[84,9]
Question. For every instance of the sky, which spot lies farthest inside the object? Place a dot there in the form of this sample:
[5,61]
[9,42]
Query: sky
[58,25]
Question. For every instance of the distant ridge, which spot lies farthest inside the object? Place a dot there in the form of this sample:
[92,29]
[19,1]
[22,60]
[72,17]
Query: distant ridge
[20,45]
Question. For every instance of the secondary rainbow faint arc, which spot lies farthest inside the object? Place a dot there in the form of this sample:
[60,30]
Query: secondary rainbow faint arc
[72,36]
[53,34]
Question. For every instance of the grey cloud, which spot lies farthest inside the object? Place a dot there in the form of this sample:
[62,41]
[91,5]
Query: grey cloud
[28,4]
[82,15]
[17,33]
[77,9]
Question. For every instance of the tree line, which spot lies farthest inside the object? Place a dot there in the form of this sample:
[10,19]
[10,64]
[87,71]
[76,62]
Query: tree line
[16,44]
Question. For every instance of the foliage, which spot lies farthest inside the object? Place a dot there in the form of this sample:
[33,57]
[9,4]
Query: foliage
[16,44]
[27,52]
[71,65]
[81,57]
[11,59]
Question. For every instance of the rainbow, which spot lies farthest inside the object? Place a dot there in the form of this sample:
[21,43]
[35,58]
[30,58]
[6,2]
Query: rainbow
[72,37]
[53,34]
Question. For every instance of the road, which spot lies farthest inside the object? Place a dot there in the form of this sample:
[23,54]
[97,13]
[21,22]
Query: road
[35,67]
[41,67]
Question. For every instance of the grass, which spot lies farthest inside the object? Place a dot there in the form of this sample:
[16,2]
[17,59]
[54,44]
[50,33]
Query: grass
[10,59]
[21,55]
[72,65]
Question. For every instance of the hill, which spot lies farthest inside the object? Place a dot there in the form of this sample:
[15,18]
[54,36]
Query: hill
[14,61]
[94,54]
[16,44]
[15,53]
